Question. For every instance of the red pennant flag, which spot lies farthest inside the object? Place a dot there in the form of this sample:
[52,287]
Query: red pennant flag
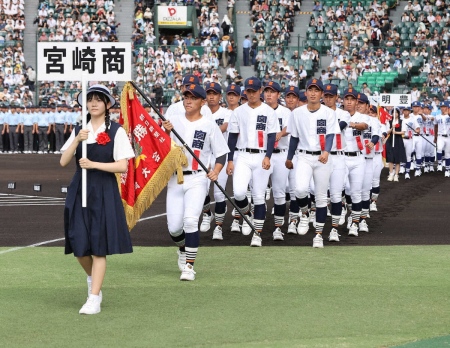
[384,115]
[157,158]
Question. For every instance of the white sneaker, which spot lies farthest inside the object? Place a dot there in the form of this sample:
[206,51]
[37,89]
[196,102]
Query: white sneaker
[353,230]
[349,221]
[235,227]
[256,240]
[368,215]
[188,272]
[92,305]
[391,177]
[217,234]
[342,218]
[439,168]
[100,295]
[334,235]
[206,222]
[402,170]
[418,172]
[292,229]
[396,178]
[373,206]
[246,229]
[363,227]
[181,259]
[431,169]
[318,241]
[277,234]
[312,216]
[426,169]
[303,225]
[40,152]
[407,176]
[447,173]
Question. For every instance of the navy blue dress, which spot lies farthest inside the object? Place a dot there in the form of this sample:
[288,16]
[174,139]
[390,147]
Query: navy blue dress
[99,229]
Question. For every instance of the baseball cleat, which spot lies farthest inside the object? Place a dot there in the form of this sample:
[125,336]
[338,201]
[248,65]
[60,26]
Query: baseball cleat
[312,216]
[235,227]
[439,168]
[363,227]
[181,259]
[353,230]
[334,235]
[217,234]
[373,206]
[292,229]
[206,222]
[277,234]
[426,169]
[256,240]
[318,241]
[349,221]
[246,229]
[188,272]
[431,169]
[303,225]
[342,218]
[447,173]
[402,170]
[407,176]
[418,172]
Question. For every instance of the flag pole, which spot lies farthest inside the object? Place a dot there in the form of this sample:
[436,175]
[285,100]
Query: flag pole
[421,135]
[84,143]
[247,220]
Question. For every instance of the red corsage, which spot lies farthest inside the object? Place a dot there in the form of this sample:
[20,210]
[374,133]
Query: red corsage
[397,125]
[103,138]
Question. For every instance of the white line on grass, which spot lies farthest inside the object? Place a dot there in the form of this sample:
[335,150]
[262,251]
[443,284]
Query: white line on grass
[60,239]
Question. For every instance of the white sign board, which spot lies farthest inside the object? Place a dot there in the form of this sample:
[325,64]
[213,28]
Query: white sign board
[172,15]
[394,100]
[99,61]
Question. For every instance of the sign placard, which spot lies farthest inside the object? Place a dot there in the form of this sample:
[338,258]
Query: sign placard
[172,15]
[99,61]
[394,100]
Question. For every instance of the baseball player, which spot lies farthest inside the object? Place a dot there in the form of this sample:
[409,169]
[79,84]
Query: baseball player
[418,141]
[252,129]
[292,102]
[377,161]
[312,128]
[354,159]
[280,173]
[183,206]
[441,137]
[221,116]
[371,137]
[429,149]
[338,174]
[410,127]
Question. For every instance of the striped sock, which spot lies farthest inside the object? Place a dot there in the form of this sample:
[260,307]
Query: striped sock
[192,242]
[191,254]
[319,227]
[179,240]
[258,224]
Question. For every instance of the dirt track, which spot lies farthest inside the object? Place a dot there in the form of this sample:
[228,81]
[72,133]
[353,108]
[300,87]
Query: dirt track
[411,212]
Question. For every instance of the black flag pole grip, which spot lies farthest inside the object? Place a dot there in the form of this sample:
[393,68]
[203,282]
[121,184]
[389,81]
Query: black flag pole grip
[245,217]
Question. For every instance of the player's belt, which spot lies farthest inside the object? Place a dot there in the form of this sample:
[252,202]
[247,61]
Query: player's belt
[252,150]
[314,153]
[443,135]
[190,172]
[336,152]
[279,150]
[416,135]
[352,154]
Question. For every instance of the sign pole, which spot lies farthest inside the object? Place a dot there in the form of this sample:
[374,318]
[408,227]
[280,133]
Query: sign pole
[393,129]
[84,143]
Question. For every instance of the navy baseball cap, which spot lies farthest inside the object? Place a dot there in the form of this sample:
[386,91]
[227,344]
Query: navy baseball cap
[273,85]
[293,90]
[416,103]
[314,82]
[303,97]
[351,92]
[373,108]
[407,108]
[236,89]
[213,86]
[195,90]
[252,83]
[363,98]
[330,89]
[244,95]
[190,79]
[445,104]
[429,107]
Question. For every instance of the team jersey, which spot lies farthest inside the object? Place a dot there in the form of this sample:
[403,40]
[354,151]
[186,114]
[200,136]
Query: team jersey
[420,121]
[409,126]
[283,114]
[429,125]
[373,129]
[203,136]
[312,127]
[253,125]
[339,143]
[353,137]
[383,130]
[178,108]
[222,116]
[443,123]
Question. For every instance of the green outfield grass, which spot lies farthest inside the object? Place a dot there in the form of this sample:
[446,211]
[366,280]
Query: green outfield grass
[242,297]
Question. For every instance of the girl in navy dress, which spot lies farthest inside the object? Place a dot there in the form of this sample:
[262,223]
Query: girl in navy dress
[100,229]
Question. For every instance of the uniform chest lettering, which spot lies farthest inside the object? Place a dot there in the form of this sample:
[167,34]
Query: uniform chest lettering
[368,133]
[199,139]
[280,121]
[261,122]
[219,121]
[321,127]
